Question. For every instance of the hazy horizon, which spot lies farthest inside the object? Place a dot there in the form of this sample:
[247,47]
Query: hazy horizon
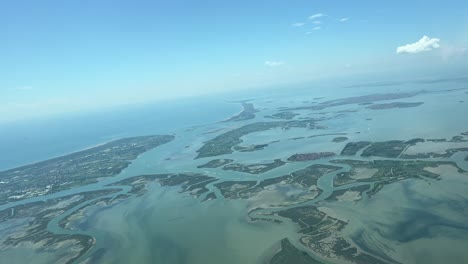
[62,57]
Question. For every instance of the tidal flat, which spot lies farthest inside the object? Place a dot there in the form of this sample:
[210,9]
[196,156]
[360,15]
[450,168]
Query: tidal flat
[289,179]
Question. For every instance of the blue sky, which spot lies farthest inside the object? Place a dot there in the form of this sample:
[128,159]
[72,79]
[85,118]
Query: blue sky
[66,56]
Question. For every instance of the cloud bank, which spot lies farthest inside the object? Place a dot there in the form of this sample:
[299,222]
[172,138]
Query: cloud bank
[424,44]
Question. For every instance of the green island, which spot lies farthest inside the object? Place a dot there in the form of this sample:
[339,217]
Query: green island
[248,112]
[311,156]
[283,115]
[394,105]
[304,180]
[216,163]
[321,234]
[384,172]
[445,154]
[289,254]
[250,148]
[210,196]
[233,189]
[352,148]
[458,139]
[76,169]
[329,134]
[37,215]
[385,149]
[352,194]
[355,100]
[296,138]
[192,183]
[339,139]
[223,143]
[256,168]
[72,221]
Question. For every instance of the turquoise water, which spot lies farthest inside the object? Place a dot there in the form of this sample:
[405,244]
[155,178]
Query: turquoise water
[165,226]
[28,141]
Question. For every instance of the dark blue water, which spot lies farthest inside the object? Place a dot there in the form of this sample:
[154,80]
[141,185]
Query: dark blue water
[34,140]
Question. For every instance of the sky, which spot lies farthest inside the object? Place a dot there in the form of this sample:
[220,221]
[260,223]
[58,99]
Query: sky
[68,56]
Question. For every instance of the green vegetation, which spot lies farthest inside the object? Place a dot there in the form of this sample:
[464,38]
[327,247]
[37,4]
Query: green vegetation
[389,149]
[394,105]
[223,144]
[233,189]
[309,176]
[250,148]
[76,169]
[321,234]
[305,178]
[41,213]
[458,139]
[386,149]
[356,100]
[339,139]
[195,184]
[360,189]
[386,171]
[311,156]
[216,163]
[353,147]
[283,115]
[209,197]
[247,113]
[329,134]
[291,255]
[256,168]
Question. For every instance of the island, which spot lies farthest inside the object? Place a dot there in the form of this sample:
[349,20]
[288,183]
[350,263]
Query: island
[35,216]
[339,139]
[321,234]
[256,168]
[394,105]
[311,156]
[283,115]
[76,169]
[248,112]
[192,183]
[250,148]
[303,181]
[289,254]
[223,143]
[353,147]
[216,163]
[371,98]
[385,172]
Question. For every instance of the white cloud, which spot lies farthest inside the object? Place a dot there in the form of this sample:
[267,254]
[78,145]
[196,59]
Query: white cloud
[424,44]
[299,24]
[273,63]
[314,29]
[344,19]
[315,16]
[317,22]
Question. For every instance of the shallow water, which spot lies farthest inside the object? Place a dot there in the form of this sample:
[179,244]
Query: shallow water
[164,226]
